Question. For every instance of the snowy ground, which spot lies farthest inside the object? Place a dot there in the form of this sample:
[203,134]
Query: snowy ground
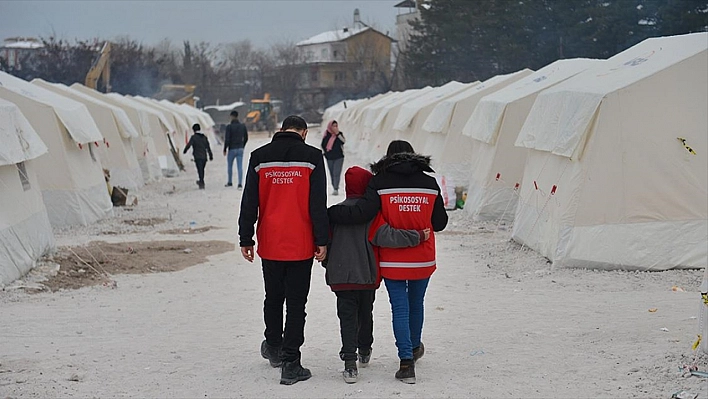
[500,322]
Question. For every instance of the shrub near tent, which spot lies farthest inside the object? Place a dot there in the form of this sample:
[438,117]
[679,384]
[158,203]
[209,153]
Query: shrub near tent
[617,171]
[25,232]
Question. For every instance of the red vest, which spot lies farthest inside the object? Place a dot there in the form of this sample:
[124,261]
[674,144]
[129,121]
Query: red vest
[408,208]
[284,229]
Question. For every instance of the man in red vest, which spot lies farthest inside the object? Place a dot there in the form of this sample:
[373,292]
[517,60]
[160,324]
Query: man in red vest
[286,193]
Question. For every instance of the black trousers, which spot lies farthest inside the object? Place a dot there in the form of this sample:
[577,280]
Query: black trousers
[356,322]
[201,163]
[289,283]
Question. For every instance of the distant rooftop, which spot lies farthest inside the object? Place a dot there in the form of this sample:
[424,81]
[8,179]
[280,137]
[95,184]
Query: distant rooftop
[22,43]
[333,36]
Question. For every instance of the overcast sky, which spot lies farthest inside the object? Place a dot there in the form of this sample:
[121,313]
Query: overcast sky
[264,22]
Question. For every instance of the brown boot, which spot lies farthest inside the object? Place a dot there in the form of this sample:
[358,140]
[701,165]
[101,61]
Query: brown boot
[406,372]
[418,352]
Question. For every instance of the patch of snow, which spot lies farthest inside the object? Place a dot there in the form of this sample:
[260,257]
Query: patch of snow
[227,107]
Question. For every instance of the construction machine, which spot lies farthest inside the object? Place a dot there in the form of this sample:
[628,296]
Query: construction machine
[100,69]
[186,90]
[262,114]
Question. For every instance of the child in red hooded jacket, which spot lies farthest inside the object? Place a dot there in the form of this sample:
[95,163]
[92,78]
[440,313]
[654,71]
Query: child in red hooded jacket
[353,272]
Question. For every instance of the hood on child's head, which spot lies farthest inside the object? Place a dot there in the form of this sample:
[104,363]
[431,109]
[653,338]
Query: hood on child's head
[355,181]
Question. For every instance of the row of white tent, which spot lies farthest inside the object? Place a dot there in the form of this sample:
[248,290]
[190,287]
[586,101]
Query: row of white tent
[598,163]
[55,142]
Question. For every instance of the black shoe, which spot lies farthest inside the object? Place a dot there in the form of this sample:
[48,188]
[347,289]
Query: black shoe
[292,372]
[350,373]
[364,358]
[272,354]
[418,352]
[229,185]
[239,187]
[406,372]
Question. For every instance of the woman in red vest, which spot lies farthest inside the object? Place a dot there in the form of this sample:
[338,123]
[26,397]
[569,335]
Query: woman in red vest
[408,198]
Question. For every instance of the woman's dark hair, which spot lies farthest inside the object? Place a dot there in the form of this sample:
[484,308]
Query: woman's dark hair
[399,146]
[196,127]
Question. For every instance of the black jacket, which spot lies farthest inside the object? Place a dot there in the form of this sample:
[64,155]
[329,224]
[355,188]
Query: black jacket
[291,211]
[200,146]
[337,150]
[236,136]
[395,171]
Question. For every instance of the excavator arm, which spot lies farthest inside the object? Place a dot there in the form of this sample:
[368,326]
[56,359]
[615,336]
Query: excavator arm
[101,68]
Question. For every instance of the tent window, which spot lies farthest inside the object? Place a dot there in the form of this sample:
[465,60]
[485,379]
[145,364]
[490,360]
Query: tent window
[23,176]
[93,156]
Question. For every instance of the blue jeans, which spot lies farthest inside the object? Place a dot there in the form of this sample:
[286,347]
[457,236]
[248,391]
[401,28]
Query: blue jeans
[406,298]
[235,153]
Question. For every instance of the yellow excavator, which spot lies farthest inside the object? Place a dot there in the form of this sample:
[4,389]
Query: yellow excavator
[100,69]
[262,114]
[188,89]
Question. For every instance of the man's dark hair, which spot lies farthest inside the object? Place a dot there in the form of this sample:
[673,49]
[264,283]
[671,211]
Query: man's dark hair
[399,146]
[196,127]
[293,122]
[234,114]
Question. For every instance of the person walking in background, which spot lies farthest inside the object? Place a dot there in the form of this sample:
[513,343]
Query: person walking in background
[286,192]
[408,198]
[199,144]
[235,140]
[332,145]
[353,273]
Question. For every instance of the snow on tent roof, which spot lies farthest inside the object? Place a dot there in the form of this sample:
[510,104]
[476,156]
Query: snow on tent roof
[487,117]
[333,36]
[410,109]
[228,107]
[20,142]
[562,115]
[72,114]
[125,127]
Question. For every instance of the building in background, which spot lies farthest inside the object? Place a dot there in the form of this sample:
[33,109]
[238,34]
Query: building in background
[351,62]
[408,11]
[14,50]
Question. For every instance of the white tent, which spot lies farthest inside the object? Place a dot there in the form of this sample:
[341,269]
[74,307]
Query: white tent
[181,122]
[159,127]
[117,155]
[496,164]
[617,172]
[179,127]
[352,127]
[413,113]
[25,232]
[144,148]
[371,140]
[70,176]
[451,150]
[202,118]
[382,129]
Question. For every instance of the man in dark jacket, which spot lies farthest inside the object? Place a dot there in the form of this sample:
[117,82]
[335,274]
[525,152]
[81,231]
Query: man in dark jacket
[235,141]
[200,148]
[286,193]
